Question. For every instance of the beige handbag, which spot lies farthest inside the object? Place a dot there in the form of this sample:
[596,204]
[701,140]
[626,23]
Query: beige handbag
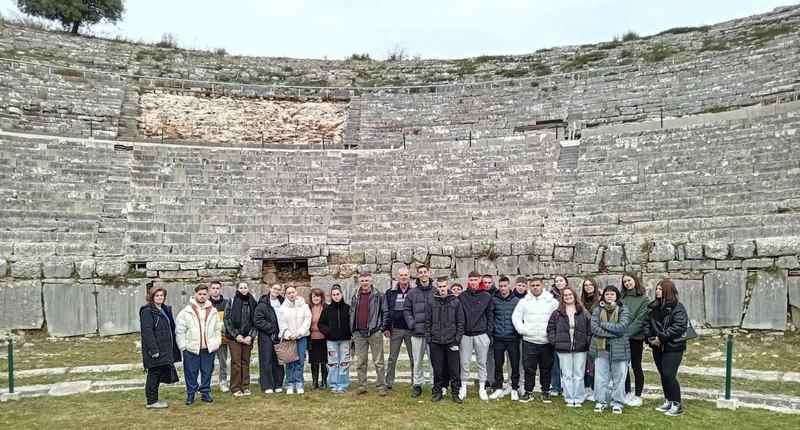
[286,350]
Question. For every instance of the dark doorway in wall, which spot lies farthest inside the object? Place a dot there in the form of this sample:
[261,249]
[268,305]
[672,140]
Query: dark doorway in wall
[287,272]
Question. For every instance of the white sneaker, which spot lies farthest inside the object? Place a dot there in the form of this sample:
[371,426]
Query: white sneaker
[462,393]
[290,390]
[634,401]
[224,387]
[279,390]
[589,395]
[300,390]
[482,394]
[514,395]
[444,391]
[268,391]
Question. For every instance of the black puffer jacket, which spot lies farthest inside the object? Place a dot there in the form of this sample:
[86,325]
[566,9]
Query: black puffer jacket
[415,308]
[334,322]
[444,324]
[668,322]
[265,319]
[158,336]
[478,312]
[246,326]
[558,331]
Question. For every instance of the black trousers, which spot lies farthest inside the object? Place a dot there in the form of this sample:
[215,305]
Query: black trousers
[154,377]
[446,368]
[667,364]
[537,356]
[270,373]
[637,348]
[500,349]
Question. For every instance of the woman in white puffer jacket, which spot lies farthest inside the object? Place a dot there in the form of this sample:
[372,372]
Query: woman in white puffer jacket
[294,323]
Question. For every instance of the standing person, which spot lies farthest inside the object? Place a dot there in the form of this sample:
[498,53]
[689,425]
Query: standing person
[265,318]
[488,281]
[569,331]
[415,312]
[611,350]
[590,297]
[395,326]
[635,300]
[159,350]
[366,321]
[276,299]
[478,323]
[334,323]
[505,341]
[530,318]
[456,289]
[198,335]
[664,330]
[317,348]
[240,329]
[219,302]
[444,327]
[294,321]
[520,287]
[560,282]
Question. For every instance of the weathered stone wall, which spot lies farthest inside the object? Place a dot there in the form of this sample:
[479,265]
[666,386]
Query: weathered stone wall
[237,120]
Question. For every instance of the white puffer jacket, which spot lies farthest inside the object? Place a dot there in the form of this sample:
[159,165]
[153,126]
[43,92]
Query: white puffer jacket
[531,316]
[198,325]
[294,319]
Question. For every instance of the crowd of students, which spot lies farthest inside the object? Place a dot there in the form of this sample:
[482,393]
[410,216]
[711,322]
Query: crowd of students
[582,345]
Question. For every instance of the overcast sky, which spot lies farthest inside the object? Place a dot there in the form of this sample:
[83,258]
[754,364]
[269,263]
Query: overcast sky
[430,28]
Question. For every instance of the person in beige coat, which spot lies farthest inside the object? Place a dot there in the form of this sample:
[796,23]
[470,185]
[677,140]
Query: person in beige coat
[198,333]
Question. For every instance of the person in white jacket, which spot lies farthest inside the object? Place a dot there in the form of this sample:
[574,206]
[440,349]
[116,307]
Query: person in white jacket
[530,319]
[198,335]
[294,323]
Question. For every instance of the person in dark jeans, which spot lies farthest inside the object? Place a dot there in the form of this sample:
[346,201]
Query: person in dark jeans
[664,332]
[505,341]
[159,350]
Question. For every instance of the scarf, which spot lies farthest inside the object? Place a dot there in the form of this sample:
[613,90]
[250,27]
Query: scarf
[610,312]
[238,302]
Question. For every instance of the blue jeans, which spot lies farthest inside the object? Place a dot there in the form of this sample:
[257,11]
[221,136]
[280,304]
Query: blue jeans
[294,370]
[193,364]
[338,364]
[608,372]
[555,378]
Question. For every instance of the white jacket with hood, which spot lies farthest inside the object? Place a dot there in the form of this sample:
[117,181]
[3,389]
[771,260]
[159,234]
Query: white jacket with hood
[294,319]
[531,316]
[198,326]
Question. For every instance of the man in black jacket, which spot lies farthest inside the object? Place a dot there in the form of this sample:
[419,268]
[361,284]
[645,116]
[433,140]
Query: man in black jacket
[444,328]
[478,324]
[218,301]
[394,322]
[415,311]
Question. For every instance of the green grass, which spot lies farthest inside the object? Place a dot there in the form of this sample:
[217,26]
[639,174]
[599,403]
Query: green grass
[659,52]
[718,383]
[580,61]
[325,410]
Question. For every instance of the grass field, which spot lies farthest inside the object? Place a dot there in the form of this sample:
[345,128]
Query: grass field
[752,351]
[322,410]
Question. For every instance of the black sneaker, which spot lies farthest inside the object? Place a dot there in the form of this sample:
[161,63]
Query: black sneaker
[526,397]
[546,398]
[454,396]
[416,391]
[437,396]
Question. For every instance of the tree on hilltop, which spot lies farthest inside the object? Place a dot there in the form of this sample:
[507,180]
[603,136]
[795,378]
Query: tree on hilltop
[74,13]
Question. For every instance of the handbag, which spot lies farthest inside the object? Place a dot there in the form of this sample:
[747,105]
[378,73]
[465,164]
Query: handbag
[689,334]
[286,351]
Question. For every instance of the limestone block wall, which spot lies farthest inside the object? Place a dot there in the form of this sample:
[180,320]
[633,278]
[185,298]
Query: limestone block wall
[225,119]
[59,101]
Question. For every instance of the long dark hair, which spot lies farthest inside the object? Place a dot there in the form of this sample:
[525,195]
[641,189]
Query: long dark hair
[638,289]
[592,300]
[669,294]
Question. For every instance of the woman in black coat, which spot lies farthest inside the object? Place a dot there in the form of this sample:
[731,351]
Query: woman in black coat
[664,332]
[334,323]
[569,331]
[159,350]
[270,373]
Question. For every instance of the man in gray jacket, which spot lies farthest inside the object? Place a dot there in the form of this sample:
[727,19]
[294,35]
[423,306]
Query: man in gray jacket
[366,321]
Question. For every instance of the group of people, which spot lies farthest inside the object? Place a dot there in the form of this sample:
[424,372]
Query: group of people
[581,344]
